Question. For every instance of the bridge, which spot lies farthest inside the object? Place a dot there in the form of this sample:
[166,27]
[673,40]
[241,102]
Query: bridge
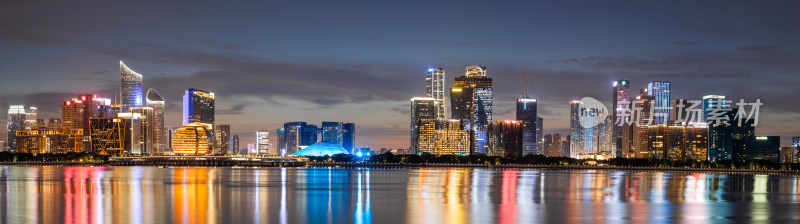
[207,161]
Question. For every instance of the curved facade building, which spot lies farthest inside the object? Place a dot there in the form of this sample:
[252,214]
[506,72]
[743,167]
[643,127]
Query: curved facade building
[321,149]
[155,101]
[192,139]
[130,88]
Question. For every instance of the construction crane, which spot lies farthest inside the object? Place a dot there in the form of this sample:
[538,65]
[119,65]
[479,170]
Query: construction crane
[524,81]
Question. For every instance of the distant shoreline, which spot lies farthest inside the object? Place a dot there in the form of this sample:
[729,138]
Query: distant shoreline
[446,165]
[554,167]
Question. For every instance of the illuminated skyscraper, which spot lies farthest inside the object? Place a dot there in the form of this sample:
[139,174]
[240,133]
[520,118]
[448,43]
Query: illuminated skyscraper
[526,114]
[434,85]
[765,148]
[298,135]
[710,102]
[281,148]
[235,145]
[332,132]
[471,100]
[539,135]
[222,134]
[349,137]
[155,101]
[730,141]
[576,136]
[262,142]
[130,88]
[677,142]
[16,121]
[198,106]
[505,138]
[661,91]
[621,94]
[141,129]
[31,118]
[421,108]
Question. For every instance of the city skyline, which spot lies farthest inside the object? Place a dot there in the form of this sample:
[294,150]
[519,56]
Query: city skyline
[261,85]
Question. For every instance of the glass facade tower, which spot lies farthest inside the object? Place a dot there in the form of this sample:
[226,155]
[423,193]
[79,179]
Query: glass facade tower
[130,88]
[526,115]
[471,100]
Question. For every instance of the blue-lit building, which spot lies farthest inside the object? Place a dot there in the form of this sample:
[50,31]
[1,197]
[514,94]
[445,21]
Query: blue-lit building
[349,136]
[661,91]
[198,106]
[332,132]
[526,114]
[710,102]
[730,141]
[130,87]
[321,149]
[766,148]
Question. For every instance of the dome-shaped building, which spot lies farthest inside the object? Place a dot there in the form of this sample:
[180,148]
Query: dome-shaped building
[321,149]
[192,139]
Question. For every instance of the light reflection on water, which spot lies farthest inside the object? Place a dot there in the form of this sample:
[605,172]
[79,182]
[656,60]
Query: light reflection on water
[363,195]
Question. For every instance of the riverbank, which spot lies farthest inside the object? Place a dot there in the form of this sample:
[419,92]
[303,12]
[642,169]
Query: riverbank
[554,167]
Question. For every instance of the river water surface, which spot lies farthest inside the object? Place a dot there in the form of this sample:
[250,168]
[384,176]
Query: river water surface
[377,195]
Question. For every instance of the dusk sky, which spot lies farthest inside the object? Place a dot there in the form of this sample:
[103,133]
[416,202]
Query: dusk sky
[361,61]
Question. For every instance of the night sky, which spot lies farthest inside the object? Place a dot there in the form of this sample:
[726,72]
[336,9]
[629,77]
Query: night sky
[361,61]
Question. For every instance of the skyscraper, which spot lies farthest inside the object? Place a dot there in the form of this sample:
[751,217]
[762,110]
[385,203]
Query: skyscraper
[222,134]
[471,100]
[16,121]
[198,106]
[298,135]
[505,138]
[421,108]
[443,137]
[526,113]
[332,132]
[31,118]
[141,129]
[110,136]
[434,86]
[235,145]
[539,135]
[621,94]
[130,88]
[710,102]
[730,141]
[576,133]
[765,148]
[262,142]
[155,101]
[281,148]
[349,137]
[661,91]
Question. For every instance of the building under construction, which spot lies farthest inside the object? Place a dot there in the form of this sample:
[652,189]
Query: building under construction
[110,136]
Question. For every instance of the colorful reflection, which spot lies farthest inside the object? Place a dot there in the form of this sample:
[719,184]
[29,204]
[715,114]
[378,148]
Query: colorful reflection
[370,195]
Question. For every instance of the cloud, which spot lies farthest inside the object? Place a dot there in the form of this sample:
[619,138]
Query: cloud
[235,109]
[758,48]
[683,43]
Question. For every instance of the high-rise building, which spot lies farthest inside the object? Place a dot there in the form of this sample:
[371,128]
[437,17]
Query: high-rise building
[548,144]
[794,150]
[526,113]
[765,148]
[130,88]
[141,133]
[434,86]
[41,139]
[505,138]
[661,91]
[30,118]
[262,142]
[565,147]
[110,136]
[556,150]
[16,121]
[198,106]
[421,108]
[155,101]
[576,132]
[621,100]
[471,100]
[332,132]
[235,145]
[539,135]
[299,135]
[677,142]
[281,148]
[443,137]
[349,137]
[730,141]
[223,136]
[193,139]
[710,102]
